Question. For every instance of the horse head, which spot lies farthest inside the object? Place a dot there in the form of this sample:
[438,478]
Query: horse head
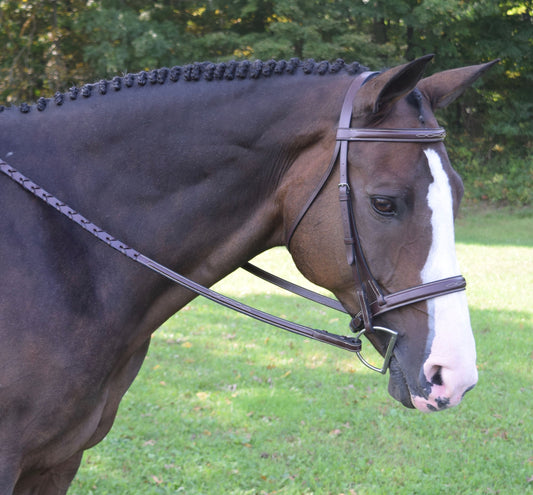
[405,196]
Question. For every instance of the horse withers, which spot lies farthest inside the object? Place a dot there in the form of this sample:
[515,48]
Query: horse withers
[201,168]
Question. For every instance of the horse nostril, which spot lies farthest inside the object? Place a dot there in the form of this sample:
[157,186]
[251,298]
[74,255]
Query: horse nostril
[437,377]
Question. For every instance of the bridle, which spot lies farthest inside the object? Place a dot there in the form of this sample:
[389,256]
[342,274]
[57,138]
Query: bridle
[372,299]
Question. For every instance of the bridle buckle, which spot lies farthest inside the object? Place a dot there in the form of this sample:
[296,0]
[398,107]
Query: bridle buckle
[344,184]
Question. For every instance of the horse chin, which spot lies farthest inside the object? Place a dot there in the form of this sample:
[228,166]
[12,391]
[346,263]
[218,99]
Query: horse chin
[398,387]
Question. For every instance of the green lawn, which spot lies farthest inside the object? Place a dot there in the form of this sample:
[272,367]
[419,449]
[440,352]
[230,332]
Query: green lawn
[225,404]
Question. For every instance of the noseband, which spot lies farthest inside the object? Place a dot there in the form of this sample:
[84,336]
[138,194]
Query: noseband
[373,300]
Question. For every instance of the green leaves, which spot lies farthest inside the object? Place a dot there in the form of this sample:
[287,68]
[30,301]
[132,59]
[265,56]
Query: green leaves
[48,46]
[124,40]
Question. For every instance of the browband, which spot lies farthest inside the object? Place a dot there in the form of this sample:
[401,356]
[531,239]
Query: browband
[424,135]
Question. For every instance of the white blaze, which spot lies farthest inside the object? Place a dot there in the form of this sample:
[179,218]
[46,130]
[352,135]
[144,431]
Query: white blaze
[452,353]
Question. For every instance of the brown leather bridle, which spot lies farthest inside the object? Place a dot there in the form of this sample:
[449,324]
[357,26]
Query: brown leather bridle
[372,299]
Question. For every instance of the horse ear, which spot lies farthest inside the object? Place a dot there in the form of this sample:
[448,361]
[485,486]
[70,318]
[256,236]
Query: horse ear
[381,92]
[444,87]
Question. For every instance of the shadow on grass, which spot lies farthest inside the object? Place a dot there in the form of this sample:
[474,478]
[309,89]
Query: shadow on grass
[272,357]
[228,405]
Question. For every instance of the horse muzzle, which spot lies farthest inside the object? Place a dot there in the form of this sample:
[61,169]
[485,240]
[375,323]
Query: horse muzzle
[447,389]
[436,389]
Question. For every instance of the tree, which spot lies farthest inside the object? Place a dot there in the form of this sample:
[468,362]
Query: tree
[49,45]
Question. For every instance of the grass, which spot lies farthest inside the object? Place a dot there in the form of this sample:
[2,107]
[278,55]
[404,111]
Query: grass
[225,404]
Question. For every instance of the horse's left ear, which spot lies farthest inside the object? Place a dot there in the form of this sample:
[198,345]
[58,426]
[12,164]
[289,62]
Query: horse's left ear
[379,94]
[444,87]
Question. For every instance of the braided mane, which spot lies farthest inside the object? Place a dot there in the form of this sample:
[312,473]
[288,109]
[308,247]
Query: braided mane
[198,71]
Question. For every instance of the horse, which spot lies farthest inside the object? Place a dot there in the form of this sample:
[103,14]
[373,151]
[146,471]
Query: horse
[202,167]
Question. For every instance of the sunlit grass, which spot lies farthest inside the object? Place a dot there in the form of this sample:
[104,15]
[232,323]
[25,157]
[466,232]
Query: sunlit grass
[225,404]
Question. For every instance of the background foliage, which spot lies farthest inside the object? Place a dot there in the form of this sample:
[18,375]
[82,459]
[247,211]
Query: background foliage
[48,45]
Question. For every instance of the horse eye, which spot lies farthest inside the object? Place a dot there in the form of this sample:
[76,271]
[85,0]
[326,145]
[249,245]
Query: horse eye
[384,206]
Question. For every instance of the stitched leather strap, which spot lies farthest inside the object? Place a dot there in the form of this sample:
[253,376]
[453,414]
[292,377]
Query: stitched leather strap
[392,135]
[419,293]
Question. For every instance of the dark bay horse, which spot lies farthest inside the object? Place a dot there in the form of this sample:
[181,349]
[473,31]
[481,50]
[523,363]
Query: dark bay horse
[202,168]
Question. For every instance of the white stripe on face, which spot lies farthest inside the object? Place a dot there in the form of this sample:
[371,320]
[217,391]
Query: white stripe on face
[451,363]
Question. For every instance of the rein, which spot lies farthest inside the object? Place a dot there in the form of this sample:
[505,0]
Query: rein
[366,284]
[347,343]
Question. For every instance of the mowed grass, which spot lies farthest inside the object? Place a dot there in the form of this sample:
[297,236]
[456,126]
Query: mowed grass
[225,404]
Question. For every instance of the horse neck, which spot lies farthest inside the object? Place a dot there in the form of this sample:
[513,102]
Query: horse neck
[185,173]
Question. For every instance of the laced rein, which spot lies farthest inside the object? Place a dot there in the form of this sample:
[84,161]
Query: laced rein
[348,343]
